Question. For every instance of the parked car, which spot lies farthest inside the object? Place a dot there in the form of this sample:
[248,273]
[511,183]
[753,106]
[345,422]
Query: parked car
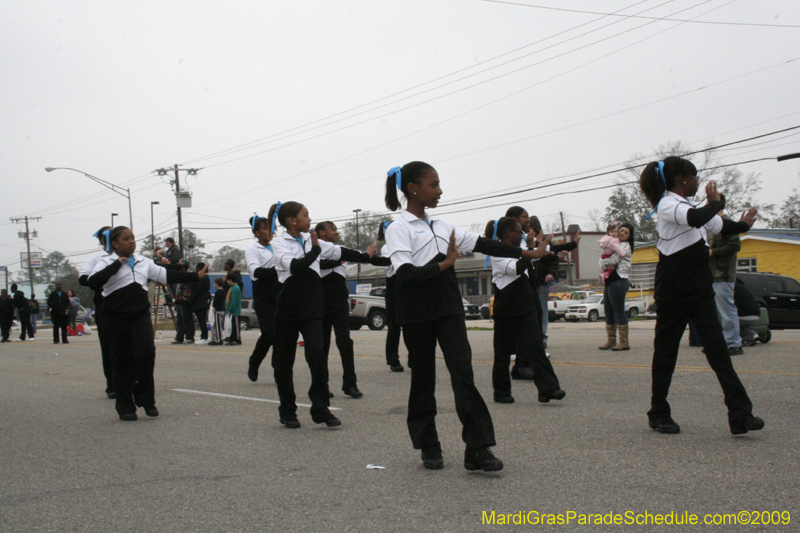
[486,311]
[378,291]
[471,310]
[248,318]
[779,294]
[369,310]
[591,309]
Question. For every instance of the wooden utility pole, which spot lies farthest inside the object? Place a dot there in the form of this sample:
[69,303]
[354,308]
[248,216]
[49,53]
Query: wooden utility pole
[564,233]
[27,238]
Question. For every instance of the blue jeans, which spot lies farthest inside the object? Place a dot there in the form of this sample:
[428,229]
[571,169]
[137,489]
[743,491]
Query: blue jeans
[614,302]
[726,311]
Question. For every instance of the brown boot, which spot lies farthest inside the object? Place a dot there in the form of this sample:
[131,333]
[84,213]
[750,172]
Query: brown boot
[611,331]
[623,339]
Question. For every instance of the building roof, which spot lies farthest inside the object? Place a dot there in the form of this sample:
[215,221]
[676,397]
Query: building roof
[787,235]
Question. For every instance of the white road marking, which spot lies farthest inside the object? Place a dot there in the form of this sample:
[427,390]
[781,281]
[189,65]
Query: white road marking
[245,398]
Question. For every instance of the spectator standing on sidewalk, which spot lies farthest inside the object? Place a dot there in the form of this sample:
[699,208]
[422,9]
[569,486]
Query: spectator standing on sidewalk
[722,258]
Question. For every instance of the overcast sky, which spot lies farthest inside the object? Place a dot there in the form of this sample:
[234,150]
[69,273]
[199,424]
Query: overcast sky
[314,101]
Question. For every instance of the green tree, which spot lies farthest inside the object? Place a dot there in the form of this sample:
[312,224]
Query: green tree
[368,222]
[55,266]
[627,204]
[789,216]
[225,253]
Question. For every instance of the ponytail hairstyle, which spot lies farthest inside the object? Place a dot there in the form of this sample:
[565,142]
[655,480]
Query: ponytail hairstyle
[496,229]
[279,212]
[102,235]
[659,177]
[629,226]
[382,229]
[257,222]
[112,236]
[399,178]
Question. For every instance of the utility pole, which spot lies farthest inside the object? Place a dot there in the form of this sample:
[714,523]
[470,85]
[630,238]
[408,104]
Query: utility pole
[564,233]
[27,238]
[182,198]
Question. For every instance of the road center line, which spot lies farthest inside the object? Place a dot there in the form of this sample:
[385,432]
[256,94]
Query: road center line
[244,398]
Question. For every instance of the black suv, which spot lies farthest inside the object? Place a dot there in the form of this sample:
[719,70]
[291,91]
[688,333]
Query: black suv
[779,294]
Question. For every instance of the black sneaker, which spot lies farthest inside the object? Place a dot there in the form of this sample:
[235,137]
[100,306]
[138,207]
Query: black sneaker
[252,373]
[552,394]
[326,418]
[523,372]
[128,417]
[397,367]
[150,410]
[432,458]
[482,459]
[290,423]
[111,394]
[735,350]
[504,399]
[353,392]
[745,424]
[176,341]
[665,424]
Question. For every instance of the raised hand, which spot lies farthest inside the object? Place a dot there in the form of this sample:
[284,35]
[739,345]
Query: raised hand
[452,253]
[749,217]
[314,239]
[203,272]
[711,191]
[371,249]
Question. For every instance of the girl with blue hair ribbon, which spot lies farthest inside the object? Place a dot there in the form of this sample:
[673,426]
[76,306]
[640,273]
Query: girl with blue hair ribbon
[123,277]
[516,319]
[423,251]
[300,308]
[102,236]
[684,287]
[261,266]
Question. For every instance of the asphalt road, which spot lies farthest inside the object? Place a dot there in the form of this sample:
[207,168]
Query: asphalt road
[218,460]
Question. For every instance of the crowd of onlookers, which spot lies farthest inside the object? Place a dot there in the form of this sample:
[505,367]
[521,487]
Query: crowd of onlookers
[62,310]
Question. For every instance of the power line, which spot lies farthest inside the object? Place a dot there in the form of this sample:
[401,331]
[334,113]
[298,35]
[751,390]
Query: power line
[643,17]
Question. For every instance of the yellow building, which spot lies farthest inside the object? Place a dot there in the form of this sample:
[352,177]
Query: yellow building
[763,250]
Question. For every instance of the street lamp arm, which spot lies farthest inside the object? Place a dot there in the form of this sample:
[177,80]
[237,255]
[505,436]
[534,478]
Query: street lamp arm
[116,188]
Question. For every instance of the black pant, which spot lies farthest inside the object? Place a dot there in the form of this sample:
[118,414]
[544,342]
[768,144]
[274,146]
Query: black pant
[671,320]
[265,311]
[393,337]
[185,323]
[5,326]
[283,362]
[105,349]
[339,321]
[59,324]
[25,324]
[202,320]
[133,357]
[451,333]
[523,336]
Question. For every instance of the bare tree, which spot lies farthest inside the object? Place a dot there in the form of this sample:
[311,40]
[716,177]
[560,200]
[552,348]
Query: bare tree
[627,204]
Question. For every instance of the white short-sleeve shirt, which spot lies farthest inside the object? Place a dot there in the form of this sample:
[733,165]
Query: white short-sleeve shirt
[142,271]
[286,248]
[258,256]
[674,231]
[416,241]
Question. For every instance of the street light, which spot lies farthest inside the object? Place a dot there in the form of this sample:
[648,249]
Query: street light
[119,190]
[112,218]
[152,226]
[358,276]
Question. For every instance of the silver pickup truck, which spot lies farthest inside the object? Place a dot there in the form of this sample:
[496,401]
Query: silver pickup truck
[591,309]
[369,310]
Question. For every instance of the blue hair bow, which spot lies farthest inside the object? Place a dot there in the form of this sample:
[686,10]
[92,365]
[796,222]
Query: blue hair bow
[398,176]
[660,173]
[255,219]
[107,235]
[494,236]
[386,224]
[275,217]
